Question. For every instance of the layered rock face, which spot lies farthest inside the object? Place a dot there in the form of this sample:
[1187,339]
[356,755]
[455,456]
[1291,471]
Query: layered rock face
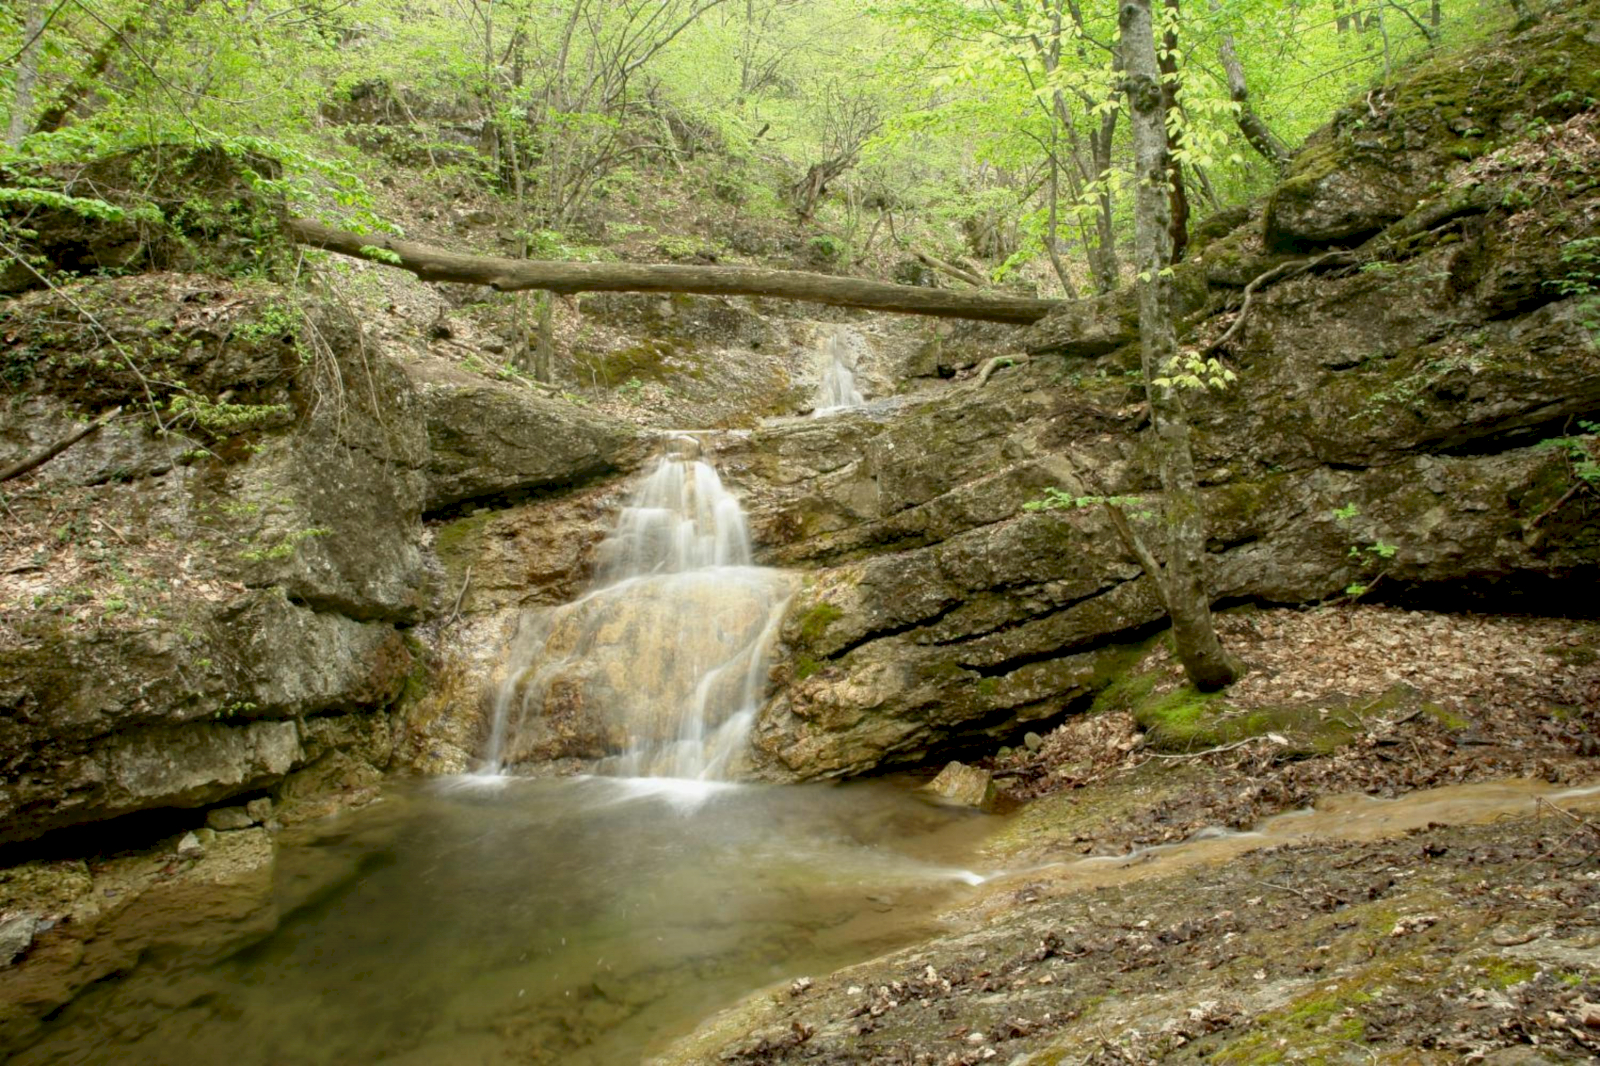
[219,604]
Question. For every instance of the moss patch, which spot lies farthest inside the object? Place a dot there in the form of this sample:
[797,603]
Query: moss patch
[815,622]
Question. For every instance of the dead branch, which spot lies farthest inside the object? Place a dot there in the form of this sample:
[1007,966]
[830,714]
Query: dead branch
[33,462]
[997,363]
[1281,272]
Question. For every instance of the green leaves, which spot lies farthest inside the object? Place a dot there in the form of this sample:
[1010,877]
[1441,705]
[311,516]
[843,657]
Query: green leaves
[1191,370]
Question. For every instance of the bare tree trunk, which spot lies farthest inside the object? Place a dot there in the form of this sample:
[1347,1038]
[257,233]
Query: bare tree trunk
[1181,579]
[27,73]
[517,275]
[544,349]
[1256,132]
[1051,223]
[1524,13]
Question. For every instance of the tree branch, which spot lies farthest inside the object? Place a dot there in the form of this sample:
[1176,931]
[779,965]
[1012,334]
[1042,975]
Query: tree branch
[33,462]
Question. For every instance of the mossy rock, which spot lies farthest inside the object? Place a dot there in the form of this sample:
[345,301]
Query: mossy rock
[1184,719]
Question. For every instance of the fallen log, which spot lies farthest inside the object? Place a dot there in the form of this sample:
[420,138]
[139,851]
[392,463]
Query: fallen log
[514,275]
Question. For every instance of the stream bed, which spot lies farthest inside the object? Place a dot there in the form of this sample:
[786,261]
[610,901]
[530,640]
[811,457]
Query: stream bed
[490,921]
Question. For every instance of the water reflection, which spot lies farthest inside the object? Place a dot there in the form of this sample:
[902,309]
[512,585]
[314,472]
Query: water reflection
[578,921]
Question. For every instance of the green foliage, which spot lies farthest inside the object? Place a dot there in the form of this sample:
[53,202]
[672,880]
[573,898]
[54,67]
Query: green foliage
[1191,370]
[1581,258]
[1055,499]
[224,419]
[1367,552]
[381,255]
[1582,452]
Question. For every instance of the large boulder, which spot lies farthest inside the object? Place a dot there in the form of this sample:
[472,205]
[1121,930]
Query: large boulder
[488,441]
[1385,152]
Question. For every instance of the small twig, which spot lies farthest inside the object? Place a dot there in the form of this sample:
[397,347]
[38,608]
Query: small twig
[1209,751]
[455,611]
[1540,803]
[1289,888]
[1554,507]
[33,462]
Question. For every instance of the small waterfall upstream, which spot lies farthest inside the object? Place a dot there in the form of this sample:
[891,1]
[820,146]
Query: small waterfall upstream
[837,390]
[660,669]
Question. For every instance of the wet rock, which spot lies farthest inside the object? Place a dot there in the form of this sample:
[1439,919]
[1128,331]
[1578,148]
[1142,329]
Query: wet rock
[965,785]
[189,846]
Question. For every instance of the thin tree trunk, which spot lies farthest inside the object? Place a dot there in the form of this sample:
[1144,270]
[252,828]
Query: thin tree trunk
[1181,580]
[1050,228]
[27,73]
[516,275]
[544,349]
[1177,195]
[1256,132]
[1101,141]
[88,78]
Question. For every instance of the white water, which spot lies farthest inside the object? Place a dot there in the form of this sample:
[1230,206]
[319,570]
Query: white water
[660,669]
[837,390]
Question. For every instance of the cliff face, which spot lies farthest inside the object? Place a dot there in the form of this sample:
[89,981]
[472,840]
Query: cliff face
[220,604]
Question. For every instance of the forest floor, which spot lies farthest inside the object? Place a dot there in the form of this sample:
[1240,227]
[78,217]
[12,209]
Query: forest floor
[1457,923]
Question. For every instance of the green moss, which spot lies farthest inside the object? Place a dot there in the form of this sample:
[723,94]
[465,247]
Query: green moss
[1186,719]
[1503,973]
[1447,718]
[652,359]
[1125,692]
[453,538]
[805,666]
[1579,656]
[815,622]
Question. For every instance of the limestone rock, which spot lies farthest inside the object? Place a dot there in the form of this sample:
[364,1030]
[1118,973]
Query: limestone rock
[16,934]
[223,819]
[241,586]
[1100,324]
[966,786]
[488,441]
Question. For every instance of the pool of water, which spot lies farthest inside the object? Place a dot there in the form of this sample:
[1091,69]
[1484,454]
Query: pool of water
[517,921]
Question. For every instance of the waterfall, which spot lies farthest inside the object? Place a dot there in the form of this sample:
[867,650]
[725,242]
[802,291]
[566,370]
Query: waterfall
[659,670]
[837,389]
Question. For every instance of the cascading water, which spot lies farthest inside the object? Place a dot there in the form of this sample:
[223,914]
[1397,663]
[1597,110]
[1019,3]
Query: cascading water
[837,390]
[658,671]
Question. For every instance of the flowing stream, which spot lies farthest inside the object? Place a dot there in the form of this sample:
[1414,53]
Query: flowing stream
[837,390]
